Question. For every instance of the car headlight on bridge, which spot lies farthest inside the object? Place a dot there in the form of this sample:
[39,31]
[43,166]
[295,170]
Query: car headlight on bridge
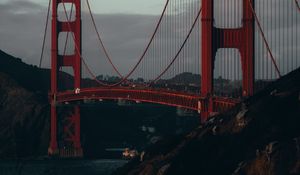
[77,91]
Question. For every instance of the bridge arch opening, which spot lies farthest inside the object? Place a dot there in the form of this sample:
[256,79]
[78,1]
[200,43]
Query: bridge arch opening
[66,44]
[70,9]
[228,73]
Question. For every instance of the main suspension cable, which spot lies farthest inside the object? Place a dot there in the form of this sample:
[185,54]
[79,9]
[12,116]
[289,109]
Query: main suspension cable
[297,5]
[141,58]
[45,35]
[67,37]
[177,54]
[78,50]
[125,78]
[107,55]
[179,51]
[143,53]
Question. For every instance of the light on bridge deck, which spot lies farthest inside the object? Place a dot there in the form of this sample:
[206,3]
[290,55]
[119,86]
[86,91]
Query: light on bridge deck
[77,91]
[199,107]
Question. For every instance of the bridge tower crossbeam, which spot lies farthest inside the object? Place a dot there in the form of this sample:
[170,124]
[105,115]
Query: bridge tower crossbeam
[65,143]
[240,38]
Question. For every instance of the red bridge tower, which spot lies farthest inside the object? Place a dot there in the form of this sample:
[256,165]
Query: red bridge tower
[239,38]
[66,141]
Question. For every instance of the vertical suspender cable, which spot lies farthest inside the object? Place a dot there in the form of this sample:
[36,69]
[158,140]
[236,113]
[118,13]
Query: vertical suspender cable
[180,49]
[231,53]
[282,66]
[180,26]
[176,32]
[264,38]
[223,39]
[292,39]
[261,42]
[235,57]
[260,46]
[185,60]
[268,28]
[271,41]
[45,34]
[297,36]
[166,34]
[257,71]
[124,78]
[286,37]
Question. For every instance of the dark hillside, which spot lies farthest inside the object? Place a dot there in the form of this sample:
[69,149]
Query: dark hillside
[28,76]
[260,136]
[23,121]
[33,78]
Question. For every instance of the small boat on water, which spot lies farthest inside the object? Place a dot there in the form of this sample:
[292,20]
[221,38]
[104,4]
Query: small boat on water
[130,154]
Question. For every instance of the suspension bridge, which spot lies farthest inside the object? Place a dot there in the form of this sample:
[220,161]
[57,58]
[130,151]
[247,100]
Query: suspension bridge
[234,47]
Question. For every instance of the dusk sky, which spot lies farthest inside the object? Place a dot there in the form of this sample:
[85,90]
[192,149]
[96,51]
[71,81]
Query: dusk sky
[115,6]
[125,26]
[23,21]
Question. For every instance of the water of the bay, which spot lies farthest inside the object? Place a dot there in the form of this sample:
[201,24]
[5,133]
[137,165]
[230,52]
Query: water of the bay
[59,167]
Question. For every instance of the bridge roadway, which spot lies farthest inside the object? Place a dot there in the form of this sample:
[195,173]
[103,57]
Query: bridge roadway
[158,96]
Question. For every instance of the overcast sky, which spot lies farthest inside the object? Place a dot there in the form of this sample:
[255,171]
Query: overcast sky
[126,26]
[23,21]
[115,6]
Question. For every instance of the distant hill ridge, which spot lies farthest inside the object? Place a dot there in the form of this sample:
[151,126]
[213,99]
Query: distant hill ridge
[30,77]
[33,78]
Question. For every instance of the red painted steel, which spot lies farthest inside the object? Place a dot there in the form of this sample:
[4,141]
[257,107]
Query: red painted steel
[58,61]
[53,146]
[241,38]
[71,134]
[205,103]
[170,98]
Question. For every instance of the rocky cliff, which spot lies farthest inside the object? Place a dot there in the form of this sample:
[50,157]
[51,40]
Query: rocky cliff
[260,136]
[23,117]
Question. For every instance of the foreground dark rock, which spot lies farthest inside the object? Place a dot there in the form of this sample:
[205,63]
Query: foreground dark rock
[23,121]
[260,136]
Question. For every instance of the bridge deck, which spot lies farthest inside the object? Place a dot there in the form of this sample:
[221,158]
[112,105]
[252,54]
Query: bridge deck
[169,98]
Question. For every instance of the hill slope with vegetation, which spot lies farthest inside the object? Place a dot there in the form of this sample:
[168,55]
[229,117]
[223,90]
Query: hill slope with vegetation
[259,136]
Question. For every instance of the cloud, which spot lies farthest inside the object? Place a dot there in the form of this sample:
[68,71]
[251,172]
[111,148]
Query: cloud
[126,35]
[20,7]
